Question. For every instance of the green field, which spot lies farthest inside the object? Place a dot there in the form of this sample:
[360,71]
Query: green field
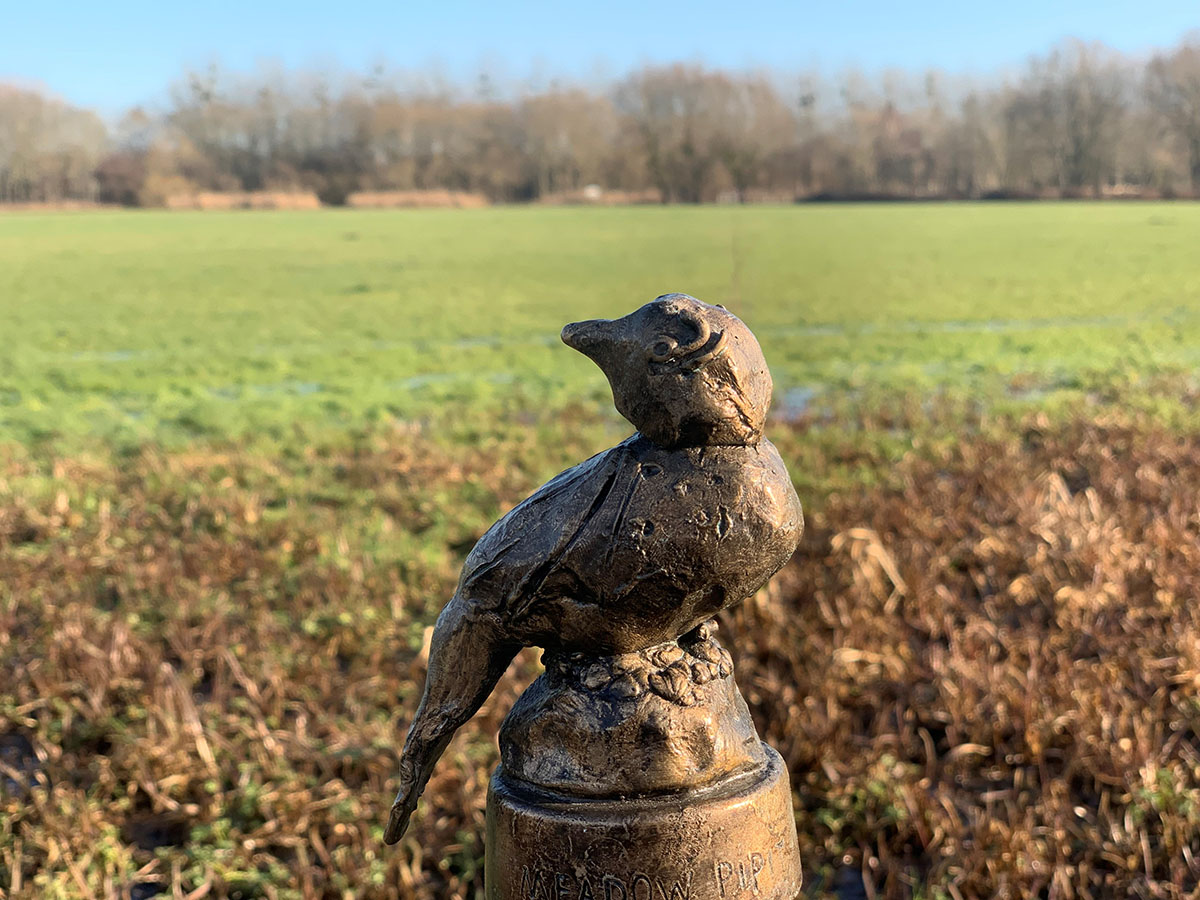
[174,326]
[243,456]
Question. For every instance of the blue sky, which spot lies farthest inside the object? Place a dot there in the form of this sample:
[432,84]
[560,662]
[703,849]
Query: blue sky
[111,54]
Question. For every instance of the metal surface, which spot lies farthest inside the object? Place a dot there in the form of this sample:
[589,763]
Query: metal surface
[735,840]
[636,732]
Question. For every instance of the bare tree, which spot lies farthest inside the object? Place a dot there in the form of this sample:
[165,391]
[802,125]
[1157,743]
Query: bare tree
[48,148]
[1081,120]
[670,110]
[567,138]
[1173,87]
[750,123]
[1070,110]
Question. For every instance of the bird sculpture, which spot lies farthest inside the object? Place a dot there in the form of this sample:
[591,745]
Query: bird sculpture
[639,545]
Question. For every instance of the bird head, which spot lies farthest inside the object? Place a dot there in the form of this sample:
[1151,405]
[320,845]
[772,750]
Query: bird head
[683,372]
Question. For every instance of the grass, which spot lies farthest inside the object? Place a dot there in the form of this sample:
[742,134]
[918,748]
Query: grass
[173,327]
[244,455]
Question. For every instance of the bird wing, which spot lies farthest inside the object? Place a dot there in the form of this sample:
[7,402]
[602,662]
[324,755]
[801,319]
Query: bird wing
[521,551]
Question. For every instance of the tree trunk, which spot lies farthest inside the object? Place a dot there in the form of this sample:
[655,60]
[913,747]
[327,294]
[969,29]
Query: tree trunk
[1194,159]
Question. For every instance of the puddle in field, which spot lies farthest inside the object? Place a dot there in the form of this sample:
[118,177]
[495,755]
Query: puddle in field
[297,388]
[20,760]
[108,356]
[964,326]
[849,885]
[467,343]
[794,402]
[818,330]
[291,387]
[417,382]
[294,388]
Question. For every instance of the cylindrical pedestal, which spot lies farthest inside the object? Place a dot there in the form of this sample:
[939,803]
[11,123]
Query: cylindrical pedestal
[736,839]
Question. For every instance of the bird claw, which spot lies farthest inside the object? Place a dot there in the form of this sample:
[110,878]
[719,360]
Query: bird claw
[397,821]
[402,810]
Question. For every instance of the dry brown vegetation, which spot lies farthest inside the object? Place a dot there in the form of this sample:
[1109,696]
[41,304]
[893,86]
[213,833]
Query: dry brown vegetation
[54,206]
[592,195]
[989,675]
[222,200]
[984,672]
[416,200]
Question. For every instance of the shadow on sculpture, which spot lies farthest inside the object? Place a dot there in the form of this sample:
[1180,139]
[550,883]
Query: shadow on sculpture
[631,768]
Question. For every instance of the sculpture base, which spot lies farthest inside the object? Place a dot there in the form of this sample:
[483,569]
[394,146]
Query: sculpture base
[735,839]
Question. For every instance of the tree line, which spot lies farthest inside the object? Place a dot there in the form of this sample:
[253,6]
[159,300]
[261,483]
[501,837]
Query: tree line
[1081,120]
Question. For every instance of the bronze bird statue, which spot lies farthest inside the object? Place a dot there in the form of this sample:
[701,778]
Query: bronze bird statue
[638,545]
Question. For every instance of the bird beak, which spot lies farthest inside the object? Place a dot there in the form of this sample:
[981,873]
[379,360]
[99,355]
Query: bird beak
[593,338]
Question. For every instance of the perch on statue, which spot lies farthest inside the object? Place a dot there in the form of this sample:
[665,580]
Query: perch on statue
[616,568]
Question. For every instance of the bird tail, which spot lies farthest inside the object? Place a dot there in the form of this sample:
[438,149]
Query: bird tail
[466,659]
